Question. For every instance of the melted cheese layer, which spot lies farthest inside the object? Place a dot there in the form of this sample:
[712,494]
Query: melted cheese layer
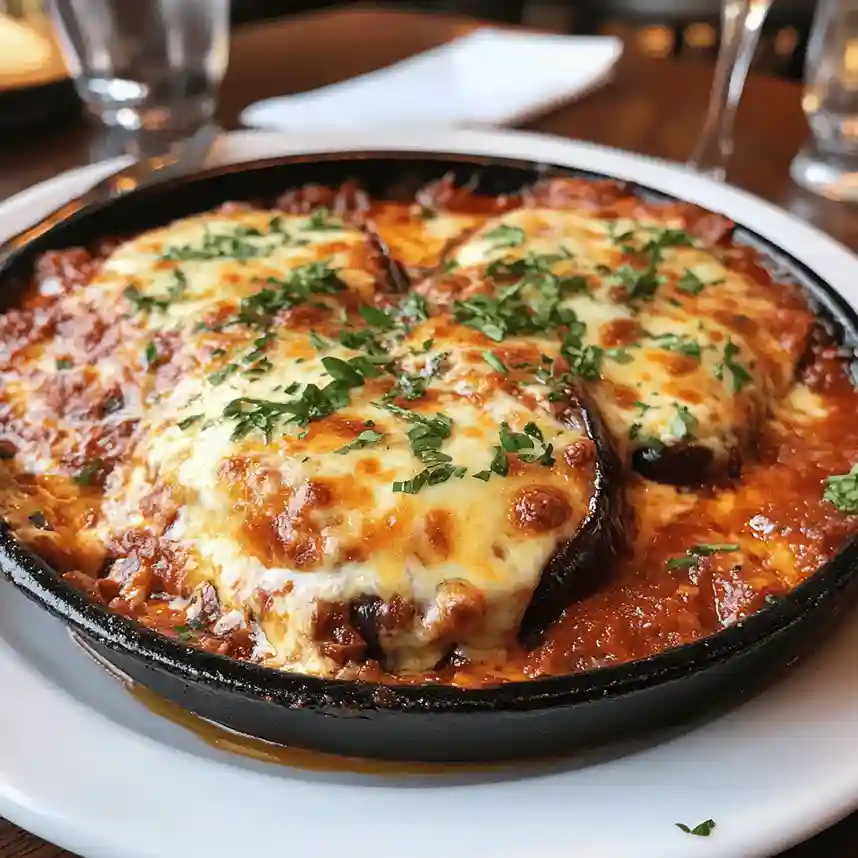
[284,524]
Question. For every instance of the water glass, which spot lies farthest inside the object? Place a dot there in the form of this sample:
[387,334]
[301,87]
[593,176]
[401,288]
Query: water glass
[828,164]
[150,65]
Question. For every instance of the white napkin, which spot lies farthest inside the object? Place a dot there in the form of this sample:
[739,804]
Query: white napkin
[490,77]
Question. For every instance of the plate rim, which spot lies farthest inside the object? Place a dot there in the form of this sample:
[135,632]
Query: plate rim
[828,804]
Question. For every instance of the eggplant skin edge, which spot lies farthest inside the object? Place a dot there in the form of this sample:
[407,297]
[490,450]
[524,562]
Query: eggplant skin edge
[578,565]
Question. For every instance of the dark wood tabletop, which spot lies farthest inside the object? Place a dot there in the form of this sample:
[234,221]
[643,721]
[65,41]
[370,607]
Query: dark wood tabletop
[653,106]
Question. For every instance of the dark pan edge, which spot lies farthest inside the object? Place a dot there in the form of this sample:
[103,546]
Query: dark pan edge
[832,581]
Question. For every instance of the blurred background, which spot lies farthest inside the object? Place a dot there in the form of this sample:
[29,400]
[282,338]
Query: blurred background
[655,28]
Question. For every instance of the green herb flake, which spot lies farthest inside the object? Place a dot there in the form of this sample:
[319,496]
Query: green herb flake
[219,377]
[620,355]
[693,554]
[365,439]
[703,829]
[680,344]
[689,282]
[640,284]
[151,354]
[321,220]
[89,470]
[144,303]
[64,363]
[301,284]
[376,318]
[504,235]
[189,421]
[683,423]
[739,373]
[414,308]
[450,265]
[495,362]
[841,490]
[229,245]
[319,343]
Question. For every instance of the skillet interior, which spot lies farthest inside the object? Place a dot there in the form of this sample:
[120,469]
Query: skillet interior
[428,722]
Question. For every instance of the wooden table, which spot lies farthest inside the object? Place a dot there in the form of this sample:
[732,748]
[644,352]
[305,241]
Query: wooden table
[653,106]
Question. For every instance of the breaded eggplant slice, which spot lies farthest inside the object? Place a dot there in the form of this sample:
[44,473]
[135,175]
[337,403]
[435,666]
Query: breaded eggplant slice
[682,341]
[499,550]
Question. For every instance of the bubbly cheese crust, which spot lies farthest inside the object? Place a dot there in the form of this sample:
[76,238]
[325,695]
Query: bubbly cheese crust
[245,429]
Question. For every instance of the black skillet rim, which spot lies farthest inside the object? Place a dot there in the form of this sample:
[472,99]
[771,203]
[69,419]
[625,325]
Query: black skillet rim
[39,582]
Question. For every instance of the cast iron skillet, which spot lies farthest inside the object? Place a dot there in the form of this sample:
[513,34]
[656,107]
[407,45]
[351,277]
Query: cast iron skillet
[435,723]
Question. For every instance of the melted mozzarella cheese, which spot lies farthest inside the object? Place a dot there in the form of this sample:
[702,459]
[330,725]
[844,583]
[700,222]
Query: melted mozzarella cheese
[284,524]
[694,361]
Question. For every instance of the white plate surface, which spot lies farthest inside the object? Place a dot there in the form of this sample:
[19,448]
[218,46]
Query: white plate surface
[85,765]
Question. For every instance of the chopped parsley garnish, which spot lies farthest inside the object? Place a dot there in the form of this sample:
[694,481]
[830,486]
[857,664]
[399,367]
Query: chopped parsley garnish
[585,361]
[703,829]
[64,363]
[640,284]
[321,220]
[508,313]
[427,213]
[621,238]
[314,278]
[683,423]
[319,343]
[222,375]
[414,308]
[690,283]
[362,341]
[89,470]
[189,630]
[635,431]
[413,385]
[678,343]
[693,554]
[505,236]
[529,445]
[496,317]
[365,439]
[642,406]
[494,362]
[841,490]
[312,403]
[151,354]
[425,439]
[450,265]
[667,238]
[144,303]
[189,421]
[178,289]
[739,373]
[230,245]
[377,318]
[619,355]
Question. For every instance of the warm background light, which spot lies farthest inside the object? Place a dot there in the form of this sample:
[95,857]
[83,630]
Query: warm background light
[28,53]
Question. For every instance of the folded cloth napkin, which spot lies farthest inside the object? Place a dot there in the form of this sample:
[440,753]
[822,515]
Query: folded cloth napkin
[490,77]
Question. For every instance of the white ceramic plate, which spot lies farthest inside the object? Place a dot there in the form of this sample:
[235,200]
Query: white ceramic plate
[85,765]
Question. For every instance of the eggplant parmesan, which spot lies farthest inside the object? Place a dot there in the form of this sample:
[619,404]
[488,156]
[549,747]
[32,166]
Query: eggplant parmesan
[457,439]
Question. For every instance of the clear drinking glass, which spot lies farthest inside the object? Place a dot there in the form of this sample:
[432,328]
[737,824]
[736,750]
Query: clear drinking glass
[151,65]
[828,164]
[741,25]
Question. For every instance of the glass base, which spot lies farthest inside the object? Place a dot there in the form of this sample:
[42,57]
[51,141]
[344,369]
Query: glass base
[180,117]
[829,174]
